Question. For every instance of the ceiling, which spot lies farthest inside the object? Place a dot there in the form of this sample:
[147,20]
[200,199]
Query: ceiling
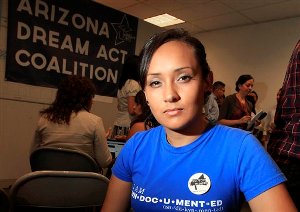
[210,15]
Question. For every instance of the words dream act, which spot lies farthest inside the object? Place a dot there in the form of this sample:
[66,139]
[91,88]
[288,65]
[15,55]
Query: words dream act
[73,45]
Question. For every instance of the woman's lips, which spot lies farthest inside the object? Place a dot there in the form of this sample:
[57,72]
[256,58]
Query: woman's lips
[173,112]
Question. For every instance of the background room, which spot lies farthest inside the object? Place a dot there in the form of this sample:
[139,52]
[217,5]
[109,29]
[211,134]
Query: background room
[260,49]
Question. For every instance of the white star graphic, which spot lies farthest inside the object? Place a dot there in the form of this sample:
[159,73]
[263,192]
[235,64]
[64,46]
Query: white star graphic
[123,31]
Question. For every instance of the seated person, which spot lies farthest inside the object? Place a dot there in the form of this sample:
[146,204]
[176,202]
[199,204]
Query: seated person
[68,123]
[143,113]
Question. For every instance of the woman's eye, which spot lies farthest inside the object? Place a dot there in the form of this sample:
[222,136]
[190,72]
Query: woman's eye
[185,78]
[154,84]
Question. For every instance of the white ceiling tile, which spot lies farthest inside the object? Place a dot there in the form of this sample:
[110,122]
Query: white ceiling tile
[117,4]
[141,11]
[246,4]
[205,10]
[165,5]
[193,29]
[223,21]
[204,15]
[274,11]
[193,2]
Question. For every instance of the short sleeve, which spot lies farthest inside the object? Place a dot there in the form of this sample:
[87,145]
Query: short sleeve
[257,171]
[132,88]
[102,153]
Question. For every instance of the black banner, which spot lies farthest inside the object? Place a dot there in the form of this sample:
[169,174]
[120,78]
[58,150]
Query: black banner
[49,39]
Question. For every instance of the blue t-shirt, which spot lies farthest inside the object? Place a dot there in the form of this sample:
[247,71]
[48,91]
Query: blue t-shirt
[213,173]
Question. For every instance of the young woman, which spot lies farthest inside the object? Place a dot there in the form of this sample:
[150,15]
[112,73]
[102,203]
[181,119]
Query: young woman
[68,123]
[142,111]
[236,109]
[186,164]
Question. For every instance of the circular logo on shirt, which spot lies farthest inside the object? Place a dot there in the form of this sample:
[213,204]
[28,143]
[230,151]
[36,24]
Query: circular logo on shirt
[199,183]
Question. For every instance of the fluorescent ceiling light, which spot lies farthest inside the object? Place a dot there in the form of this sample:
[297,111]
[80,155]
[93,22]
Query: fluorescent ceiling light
[164,20]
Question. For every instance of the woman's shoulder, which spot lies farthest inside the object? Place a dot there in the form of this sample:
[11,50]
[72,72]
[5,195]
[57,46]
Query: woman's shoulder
[85,115]
[227,131]
[227,137]
[146,136]
[131,87]
[231,96]
[130,83]
[230,99]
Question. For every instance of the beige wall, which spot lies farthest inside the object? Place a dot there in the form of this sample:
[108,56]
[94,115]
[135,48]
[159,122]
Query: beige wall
[261,50]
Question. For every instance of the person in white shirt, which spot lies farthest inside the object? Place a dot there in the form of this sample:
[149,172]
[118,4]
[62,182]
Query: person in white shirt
[211,107]
[128,87]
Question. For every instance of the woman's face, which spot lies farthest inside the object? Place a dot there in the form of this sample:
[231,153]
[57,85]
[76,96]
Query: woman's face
[137,108]
[246,88]
[175,87]
[219,92]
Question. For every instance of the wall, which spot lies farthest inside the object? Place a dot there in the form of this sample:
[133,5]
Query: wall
[21,103]
[262,50]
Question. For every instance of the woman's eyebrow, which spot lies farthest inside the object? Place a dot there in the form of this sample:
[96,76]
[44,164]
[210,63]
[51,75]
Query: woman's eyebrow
[179,69]
[176,70]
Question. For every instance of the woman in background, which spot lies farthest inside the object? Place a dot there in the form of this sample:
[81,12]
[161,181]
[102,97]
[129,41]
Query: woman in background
[127,89]
[236,109]
[144,119]
[68,123]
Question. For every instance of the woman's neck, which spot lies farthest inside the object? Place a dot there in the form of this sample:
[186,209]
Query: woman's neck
[240,96]
[180,138]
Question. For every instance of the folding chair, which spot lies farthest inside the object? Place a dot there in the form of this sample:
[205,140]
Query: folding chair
[58,191]
[54,158]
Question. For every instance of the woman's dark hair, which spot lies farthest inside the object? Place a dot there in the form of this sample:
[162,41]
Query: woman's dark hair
[151,121]
[171,35]
[241,80]
[130,70]
[74,94]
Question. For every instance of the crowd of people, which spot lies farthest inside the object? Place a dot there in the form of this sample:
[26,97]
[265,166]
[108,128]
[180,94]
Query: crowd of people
[180,130]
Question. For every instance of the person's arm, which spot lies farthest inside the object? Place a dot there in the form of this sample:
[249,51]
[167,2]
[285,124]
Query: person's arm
[229,122]
[37,138]
[139,126]
[36,141]
[102,153]
[118,196]
[212,110]
[275,199]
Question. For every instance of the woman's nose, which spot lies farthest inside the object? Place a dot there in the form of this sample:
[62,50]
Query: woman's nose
[171,94]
